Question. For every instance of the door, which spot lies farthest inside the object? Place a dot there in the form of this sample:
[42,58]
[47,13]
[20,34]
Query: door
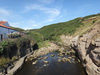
[1,37]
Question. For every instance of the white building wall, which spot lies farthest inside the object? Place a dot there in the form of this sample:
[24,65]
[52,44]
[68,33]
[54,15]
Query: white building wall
[4,32]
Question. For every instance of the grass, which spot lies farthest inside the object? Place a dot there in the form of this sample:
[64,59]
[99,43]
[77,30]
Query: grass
[73,27]
[52,32]
[37,37]
[43,44]
[4,60]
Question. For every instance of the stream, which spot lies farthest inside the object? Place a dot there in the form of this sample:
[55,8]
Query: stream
[52,64]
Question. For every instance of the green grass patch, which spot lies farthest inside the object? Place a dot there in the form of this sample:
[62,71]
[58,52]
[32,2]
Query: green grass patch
[43,44]
[4,60]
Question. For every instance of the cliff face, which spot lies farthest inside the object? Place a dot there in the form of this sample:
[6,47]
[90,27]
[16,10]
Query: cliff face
[88,48]
[21,51]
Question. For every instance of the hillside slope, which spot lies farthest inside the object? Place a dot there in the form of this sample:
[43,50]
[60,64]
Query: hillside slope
[74,27]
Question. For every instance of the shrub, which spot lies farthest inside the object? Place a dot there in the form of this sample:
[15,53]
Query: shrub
[3,44]
[14,35]
[4,60]
[6,45]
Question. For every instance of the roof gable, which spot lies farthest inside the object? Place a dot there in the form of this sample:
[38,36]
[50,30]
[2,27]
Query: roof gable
[3,22]
[1,25]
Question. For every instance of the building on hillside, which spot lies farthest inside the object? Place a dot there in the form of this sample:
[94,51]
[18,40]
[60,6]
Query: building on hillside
[5,29]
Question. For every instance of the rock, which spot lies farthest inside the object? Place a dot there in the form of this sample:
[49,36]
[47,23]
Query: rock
[78,60]
[59,60]
[45,57]
[98,44]
[45,65]
[75,40]
[96,56]
[98,69]
[93,42]
[69,57]
[34,62]
[97,40]
[88,49]
[52,55]
[64,53]
[26,60]
[46,62]
[66,59]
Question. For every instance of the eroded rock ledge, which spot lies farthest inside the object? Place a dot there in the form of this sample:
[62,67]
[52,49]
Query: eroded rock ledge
[88,48]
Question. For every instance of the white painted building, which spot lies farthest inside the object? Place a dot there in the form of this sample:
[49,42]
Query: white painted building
[5,29]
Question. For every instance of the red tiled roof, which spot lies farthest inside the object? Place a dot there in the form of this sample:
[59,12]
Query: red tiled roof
[5,26]
[2,24]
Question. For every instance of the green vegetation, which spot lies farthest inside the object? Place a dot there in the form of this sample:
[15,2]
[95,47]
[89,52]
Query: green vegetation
[18,29]
[14,35]
[53,31]
[37,37]
[95,15]
[10,46]
[19,42]
[4,60]
[43,44]
[73,27]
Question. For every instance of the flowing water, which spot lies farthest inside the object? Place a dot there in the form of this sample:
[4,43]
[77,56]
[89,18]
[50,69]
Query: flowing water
[49,65]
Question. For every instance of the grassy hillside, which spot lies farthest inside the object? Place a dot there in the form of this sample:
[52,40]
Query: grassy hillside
[18,29]
[72,27]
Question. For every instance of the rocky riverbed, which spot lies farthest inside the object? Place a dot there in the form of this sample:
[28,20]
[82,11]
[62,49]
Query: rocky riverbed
[55,63]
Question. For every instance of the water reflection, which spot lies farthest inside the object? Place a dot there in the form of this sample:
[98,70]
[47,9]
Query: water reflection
[49,65]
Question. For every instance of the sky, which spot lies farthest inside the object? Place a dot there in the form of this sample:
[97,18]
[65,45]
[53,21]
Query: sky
[34,14]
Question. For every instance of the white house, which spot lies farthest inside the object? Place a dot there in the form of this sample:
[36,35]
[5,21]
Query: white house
[5,29]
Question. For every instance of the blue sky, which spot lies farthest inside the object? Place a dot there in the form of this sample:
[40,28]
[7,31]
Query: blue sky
[33,14]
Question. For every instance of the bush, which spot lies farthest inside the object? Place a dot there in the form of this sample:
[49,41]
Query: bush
[6,45]
[37,37]
[3,44]
[14,35]
[4,60]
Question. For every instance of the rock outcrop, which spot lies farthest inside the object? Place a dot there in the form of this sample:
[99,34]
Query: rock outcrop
[88,48]
[22,53]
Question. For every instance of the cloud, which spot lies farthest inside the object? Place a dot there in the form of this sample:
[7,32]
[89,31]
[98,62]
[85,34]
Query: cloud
[51,12]
[4,14]
[25,24]
[17,20]
[45,13]
[46,1]
[4,11]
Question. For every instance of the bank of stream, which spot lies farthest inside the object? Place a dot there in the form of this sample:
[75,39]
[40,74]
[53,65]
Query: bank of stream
[52,64]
